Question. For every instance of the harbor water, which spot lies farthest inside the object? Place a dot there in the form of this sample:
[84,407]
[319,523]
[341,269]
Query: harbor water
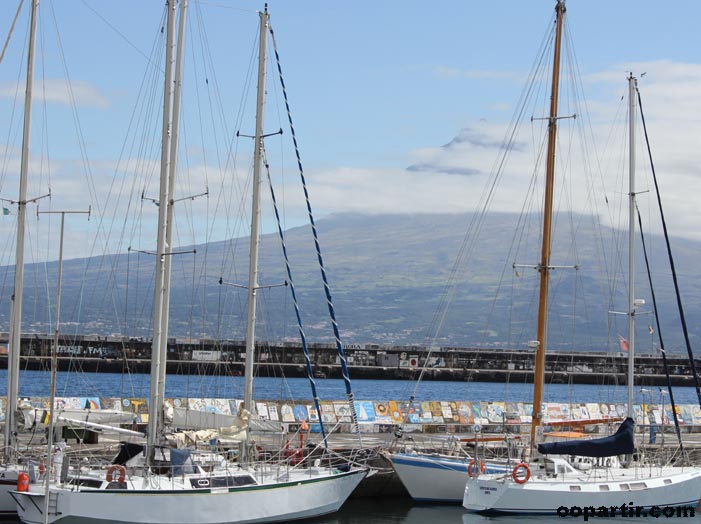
[404,511]
[395,511]
[79,384]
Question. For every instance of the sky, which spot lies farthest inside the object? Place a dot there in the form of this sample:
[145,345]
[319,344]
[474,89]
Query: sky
[399,107]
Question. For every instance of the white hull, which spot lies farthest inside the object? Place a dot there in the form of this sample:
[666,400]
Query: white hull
[8,483]
[432,478]
[491,494]
[302,497]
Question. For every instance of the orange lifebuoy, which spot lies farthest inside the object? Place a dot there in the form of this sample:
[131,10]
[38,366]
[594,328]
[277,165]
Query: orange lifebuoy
[116,468]
[517,470]
[474,468]
[22,482]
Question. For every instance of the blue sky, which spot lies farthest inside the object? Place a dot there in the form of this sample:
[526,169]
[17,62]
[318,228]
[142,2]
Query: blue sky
[375,88]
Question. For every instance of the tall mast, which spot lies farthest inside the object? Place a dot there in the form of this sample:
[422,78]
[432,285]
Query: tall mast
[160,320]
[16,307]
[544,266]
[255,213]
[632,86]
[174,134]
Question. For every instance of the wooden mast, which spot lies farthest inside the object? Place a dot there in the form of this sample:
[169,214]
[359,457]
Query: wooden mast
[544,266]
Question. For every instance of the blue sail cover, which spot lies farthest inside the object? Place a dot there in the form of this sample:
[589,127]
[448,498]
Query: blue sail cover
[620,443]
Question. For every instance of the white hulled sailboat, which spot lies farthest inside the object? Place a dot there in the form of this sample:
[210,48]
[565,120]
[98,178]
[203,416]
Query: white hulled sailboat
[548,482]
[170,488]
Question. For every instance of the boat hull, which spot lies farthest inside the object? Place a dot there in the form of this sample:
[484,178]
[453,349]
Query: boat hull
[8,483]
[559,496]
[431,478]
[278,502]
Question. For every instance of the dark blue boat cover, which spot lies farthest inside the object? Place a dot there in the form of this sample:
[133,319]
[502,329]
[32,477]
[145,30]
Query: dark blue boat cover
[620,443]
[181,462]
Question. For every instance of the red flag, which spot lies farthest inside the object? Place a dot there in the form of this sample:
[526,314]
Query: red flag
[624,343]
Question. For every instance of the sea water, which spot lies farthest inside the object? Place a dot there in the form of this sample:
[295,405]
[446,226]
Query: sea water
[136,385]
[404,511]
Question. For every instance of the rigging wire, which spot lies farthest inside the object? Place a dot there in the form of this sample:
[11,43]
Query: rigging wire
[327,290]
[474,228]
[12,28]
[659,333]
[680,306]
[236,198]
[290,281]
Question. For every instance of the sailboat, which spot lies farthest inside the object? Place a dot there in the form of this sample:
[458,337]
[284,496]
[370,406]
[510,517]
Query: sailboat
[437,478]
[169,488]
[548,484]
[13,464]
[441,476]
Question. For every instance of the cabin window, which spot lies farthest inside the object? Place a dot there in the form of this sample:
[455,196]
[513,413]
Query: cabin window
[604,487]
[222,482]
[575,488]
[667,481]
[624,487]
[638,485]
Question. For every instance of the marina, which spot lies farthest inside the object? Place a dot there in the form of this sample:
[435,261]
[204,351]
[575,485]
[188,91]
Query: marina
[549,411]
[382,495]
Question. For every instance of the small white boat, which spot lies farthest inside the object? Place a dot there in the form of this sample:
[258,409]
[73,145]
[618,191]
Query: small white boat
[438,478]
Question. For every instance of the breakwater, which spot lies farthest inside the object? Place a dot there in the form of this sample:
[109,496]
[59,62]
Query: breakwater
[367,361]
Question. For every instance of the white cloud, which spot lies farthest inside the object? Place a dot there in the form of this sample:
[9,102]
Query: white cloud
[671,104]
[446,178]
[59,91]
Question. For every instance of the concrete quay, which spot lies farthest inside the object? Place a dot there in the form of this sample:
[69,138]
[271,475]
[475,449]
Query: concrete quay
[366,361]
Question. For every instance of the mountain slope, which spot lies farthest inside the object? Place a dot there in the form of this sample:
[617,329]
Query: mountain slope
[389,277]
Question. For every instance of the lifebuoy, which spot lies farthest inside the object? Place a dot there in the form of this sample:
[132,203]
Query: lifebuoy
[116,468]
[517,470]
[474,468]
[22,482]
